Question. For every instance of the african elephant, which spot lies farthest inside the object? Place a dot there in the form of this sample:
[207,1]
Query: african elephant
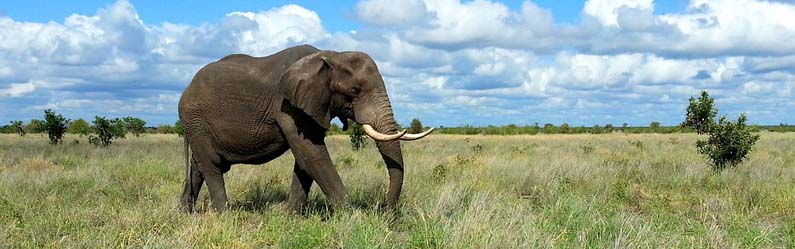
[243,109]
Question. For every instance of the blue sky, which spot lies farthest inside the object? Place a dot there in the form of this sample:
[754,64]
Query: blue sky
[446,62]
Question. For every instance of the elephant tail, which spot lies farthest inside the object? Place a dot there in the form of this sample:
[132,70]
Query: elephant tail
[188,178]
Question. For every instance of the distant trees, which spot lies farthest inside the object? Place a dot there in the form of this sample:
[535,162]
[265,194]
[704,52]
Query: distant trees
[334,129]
[609,128]
[654,125]
[728,142]
[80,127]
[550,129]
[105,131]
[35,126]
[17,127]
[178,128]
[357,136]
[136,126]
[55,126]
[564,128]
[415,126]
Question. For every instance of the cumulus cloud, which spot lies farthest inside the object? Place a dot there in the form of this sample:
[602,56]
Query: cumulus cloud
[607,11]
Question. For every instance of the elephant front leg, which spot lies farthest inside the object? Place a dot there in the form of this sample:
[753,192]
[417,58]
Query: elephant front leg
[299,191]
[312,156]
[215,184]
[193,184]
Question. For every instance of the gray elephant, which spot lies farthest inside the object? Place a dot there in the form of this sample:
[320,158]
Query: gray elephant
[244,109]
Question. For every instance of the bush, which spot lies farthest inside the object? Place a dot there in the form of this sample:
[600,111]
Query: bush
[357,136]
[135,125]
[728,143]
[415,126]
[80,127]
[17,127]
[55,126]
[35,126]
[106,131]
[178,128]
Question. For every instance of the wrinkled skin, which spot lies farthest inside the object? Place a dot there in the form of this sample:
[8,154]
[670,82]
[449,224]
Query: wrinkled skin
[244,109]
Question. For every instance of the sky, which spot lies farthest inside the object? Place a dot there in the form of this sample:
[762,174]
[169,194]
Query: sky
[446,62]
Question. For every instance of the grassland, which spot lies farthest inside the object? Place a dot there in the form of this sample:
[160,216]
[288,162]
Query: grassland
[611,190]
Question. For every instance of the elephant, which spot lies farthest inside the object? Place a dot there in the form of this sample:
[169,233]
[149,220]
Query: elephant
[244,109]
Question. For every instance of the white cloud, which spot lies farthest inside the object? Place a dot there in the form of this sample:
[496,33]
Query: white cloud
[269,31]
[18,89]
[606,11]
[435,82]
[391,13]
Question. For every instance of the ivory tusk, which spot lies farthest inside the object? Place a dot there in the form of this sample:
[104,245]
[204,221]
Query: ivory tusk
[409,137]
[380,136]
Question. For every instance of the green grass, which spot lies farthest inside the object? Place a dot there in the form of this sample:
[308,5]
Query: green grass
[610,190]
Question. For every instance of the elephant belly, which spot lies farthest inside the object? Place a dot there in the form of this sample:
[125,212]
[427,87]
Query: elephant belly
[256,145]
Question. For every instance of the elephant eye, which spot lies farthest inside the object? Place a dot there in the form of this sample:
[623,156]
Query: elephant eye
[355,90]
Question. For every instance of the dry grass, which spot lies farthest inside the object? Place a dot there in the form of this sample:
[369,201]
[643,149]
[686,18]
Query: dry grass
[611,190]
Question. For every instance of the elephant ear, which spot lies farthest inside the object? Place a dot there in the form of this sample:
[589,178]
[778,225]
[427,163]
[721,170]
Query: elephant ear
[307,87]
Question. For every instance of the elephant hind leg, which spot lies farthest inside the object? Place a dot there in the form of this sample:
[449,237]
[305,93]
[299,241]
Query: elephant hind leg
[212,170]
[192,187]
[299,191]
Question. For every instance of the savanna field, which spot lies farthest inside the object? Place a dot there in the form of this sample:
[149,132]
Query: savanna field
[611,190]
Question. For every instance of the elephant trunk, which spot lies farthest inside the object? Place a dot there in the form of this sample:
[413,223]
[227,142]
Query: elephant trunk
[381,118]
[393,158]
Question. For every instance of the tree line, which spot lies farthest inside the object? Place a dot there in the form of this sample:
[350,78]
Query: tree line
[101,132]
[565,128]
[138,126]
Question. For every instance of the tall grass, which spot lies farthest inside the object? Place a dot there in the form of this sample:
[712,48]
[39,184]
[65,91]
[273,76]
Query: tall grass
[611,190]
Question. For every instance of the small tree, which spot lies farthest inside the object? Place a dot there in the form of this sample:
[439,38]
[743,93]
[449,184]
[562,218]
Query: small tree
[357,136]
[333,129]
[165,129]
[564,128]
[80,127]
[609,128]
[178,128]
[18,127]
[35,126]
[654,126]
[55,125]
[106,131]
[728,143]
[550,129]
[415,126]
[701,114]
[135,125]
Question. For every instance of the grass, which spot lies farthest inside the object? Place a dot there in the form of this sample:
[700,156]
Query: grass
[611,190]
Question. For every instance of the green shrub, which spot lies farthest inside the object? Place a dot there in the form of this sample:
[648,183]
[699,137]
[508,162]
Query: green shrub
[728,143]
[55,125]
[439,173]
[35,126]
[178,128]
[357,136]
[135,125]
[17,127]
[106,131]
[415,126]
[80,127]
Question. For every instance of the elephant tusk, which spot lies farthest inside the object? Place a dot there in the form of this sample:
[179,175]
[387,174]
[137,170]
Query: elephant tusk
[409,137]
[380,136]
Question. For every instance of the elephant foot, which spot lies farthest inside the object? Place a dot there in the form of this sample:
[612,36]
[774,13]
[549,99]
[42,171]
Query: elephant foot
[186,205]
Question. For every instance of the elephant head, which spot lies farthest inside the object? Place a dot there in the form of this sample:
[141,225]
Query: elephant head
[348,85]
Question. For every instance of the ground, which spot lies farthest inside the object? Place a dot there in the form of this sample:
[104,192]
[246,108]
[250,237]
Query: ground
[612,190]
